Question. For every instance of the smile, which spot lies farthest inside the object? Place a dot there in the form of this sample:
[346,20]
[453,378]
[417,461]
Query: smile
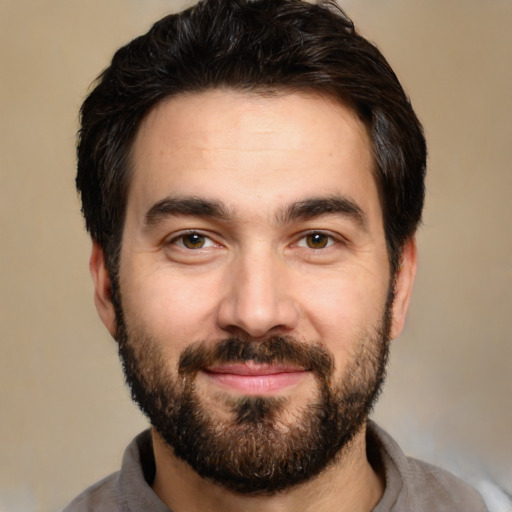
[255,379]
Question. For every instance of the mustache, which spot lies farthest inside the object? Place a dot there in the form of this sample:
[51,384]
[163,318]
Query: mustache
[274,349]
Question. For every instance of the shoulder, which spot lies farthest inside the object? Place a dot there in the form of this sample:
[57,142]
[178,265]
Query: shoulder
[100,497]
[438,489]
[413,485]
[128,489]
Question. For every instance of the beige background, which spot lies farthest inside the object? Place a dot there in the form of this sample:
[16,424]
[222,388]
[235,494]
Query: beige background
[65,415]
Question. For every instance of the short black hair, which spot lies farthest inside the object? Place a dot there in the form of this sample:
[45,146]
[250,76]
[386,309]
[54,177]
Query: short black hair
[248,45]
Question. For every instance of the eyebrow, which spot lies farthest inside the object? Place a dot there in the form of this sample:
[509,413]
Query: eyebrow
[176,206]
[299,210]
[316,207]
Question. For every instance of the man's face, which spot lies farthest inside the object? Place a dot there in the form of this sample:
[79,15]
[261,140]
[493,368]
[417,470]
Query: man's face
[254,283]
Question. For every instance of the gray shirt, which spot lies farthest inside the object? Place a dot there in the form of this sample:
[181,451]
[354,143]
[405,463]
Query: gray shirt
[411,485]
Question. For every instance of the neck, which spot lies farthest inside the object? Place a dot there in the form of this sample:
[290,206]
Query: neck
[350,484]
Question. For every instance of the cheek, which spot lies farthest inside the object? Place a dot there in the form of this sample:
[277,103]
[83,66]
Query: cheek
[174,308]
[345,308]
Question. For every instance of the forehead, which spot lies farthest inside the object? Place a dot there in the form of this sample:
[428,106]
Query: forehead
[238,147]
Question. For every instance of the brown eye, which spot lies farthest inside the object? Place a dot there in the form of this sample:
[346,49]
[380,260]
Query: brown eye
[193,241]
[317,240]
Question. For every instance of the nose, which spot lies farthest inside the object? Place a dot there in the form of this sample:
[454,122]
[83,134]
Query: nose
[258,300]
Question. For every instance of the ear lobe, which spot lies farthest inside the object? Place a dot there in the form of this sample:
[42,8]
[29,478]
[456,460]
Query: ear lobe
[102,288]
[404,281]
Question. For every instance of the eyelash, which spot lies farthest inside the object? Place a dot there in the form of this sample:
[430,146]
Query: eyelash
[179,240]
[329,238]
[302,241]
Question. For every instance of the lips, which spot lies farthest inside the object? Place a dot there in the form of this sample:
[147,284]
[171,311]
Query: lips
[255,379]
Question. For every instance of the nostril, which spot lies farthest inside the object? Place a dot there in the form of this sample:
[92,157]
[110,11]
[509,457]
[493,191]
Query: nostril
[257,322]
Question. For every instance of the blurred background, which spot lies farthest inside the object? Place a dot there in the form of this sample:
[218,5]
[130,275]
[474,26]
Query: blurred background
[66,416]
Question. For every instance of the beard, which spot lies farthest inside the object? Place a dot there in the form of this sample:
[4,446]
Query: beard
[259,449]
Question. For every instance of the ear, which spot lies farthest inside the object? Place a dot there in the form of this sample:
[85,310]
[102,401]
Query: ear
[404,281]
[102,288]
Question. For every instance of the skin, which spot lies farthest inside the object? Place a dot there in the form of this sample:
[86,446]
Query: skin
[258,271]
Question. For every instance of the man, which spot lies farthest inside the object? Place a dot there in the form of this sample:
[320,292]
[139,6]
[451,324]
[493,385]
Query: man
[252,177]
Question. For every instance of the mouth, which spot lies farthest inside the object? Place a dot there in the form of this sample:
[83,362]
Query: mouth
[255,379]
